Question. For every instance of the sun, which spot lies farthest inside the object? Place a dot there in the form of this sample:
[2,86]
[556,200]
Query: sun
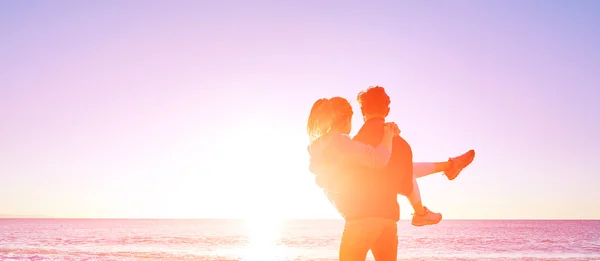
[263,235]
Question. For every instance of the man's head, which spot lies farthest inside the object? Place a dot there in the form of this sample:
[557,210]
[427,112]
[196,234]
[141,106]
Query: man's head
[374,103]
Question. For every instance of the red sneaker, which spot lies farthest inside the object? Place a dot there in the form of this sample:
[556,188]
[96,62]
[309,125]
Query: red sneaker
[429,218]
[458,164]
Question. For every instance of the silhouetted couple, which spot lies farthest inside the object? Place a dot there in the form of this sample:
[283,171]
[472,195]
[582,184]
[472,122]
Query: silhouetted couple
[362,176]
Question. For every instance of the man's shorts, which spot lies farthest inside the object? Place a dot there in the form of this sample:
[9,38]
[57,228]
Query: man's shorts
[376,234]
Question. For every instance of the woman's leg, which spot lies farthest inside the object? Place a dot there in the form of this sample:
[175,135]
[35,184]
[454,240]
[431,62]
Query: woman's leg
[415,199]
[422,169]
[451,168]
[422,215]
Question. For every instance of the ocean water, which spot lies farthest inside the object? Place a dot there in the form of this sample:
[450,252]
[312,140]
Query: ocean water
[109,239]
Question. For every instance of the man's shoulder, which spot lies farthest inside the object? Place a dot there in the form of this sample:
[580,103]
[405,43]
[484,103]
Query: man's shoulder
[371,133]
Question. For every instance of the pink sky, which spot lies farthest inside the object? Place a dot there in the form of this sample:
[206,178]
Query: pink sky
[198,108]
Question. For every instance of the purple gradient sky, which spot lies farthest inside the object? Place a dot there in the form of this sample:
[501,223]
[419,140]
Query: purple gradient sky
[198,108]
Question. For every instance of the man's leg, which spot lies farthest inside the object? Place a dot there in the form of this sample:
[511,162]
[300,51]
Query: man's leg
[358,237]
[385,247]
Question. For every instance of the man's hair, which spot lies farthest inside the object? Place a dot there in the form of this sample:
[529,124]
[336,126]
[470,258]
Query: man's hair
[374,101]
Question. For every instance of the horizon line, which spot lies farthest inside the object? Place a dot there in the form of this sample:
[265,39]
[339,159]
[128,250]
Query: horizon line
[298,219]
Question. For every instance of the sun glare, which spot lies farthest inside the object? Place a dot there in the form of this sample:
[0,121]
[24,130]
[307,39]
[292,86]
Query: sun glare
[263,234]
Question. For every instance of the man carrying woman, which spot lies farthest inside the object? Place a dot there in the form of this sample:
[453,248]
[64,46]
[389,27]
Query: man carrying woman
[362,176]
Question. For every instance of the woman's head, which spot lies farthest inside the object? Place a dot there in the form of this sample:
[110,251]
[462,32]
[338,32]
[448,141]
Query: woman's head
[329,115]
